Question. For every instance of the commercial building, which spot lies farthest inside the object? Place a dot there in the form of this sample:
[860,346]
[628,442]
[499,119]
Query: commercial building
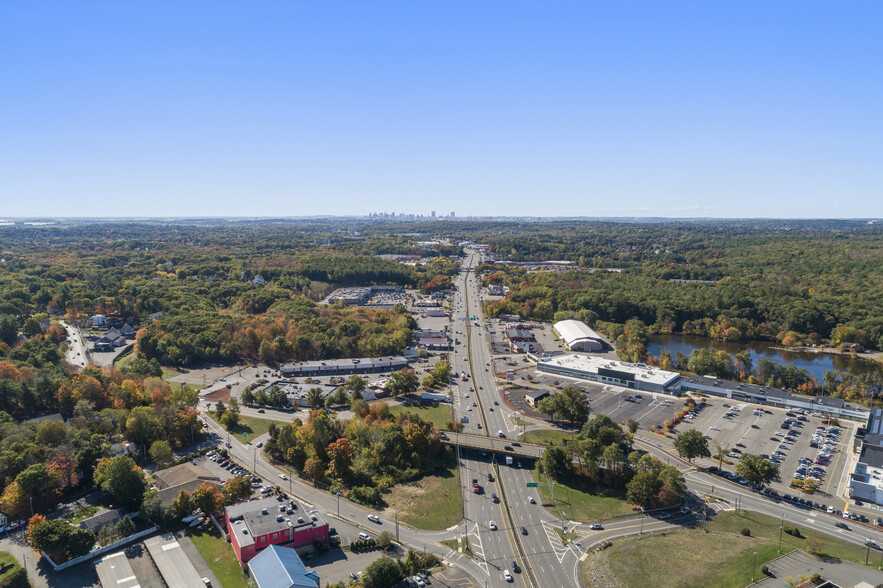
[257,524]
[173,564]
[519,335]
[114,571]
[578,336]
[336,367]
[281,567]
[866,481]
[826,405]
[436,312]
[532,397]
[618,373]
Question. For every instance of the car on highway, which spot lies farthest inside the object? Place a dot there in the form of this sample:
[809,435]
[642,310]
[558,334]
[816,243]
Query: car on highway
[841,525]
[374,518]
[531,500]
[364,537]
[492,526]
[507,576]
[664,515]
[871,544]
[524,530]
[515,567]
[595,527]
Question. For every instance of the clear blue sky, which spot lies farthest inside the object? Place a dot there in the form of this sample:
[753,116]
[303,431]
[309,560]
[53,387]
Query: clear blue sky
[662,108]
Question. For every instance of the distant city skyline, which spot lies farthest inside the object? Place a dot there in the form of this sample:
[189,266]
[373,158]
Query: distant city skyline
[579,109]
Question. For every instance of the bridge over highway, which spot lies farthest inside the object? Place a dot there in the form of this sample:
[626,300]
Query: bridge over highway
[498,445]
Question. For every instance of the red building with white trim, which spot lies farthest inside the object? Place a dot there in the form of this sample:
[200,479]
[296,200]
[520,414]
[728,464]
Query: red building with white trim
[257,524]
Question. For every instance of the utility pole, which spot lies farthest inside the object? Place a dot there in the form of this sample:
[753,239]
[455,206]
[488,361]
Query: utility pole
[781,528]
[642,523]
[397,526]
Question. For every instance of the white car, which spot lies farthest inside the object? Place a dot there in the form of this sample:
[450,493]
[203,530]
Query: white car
[714,428]
[492,525]
[283,476]
[531,500]
[364,536]
[507,575]
[373,518]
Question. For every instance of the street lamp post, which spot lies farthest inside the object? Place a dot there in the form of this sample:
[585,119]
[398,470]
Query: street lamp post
[754,566]
[338,504]
[642,523]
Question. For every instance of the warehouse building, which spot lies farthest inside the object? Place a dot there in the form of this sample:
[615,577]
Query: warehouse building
[617,373]
[578,336]
[337,367]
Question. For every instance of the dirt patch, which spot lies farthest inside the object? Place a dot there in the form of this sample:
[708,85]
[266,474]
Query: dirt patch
[222,394]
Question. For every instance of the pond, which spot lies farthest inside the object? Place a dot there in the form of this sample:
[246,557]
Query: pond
[816,363]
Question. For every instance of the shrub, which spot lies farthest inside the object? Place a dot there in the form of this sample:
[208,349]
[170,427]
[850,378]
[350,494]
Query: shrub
[815,577]
[15,579]
[746,532]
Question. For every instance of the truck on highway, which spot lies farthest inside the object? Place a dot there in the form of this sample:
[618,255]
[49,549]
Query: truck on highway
[508,460]
[475,486]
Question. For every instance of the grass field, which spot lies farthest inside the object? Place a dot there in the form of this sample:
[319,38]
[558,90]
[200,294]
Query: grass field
[82,514]
[219,556]
[437,413]
[581,501]
[432,503]
[545,437]
[7,558]
[249,427]
[691,557]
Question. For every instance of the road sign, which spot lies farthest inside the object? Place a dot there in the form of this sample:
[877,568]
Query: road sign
[532,484]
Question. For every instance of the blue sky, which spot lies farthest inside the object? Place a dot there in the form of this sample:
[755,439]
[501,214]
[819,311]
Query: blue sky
[723,109]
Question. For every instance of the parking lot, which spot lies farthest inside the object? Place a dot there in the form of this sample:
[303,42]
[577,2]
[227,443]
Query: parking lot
[786,438]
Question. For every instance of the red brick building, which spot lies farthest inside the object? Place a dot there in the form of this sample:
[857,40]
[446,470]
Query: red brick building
[257,524]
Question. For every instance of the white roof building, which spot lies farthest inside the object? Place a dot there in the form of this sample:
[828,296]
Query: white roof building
[578,336]
[636,376]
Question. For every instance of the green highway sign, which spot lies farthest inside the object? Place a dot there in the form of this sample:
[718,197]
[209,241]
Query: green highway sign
[532,484]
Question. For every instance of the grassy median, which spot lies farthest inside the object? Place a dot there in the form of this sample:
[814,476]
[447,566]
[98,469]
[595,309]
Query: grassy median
[722,558]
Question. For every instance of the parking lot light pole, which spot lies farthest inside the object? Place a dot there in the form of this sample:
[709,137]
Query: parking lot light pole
[754,566]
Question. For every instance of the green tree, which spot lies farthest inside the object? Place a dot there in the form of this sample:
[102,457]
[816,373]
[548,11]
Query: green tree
[161,453]
[35,480]
[643,489]
[756,469]
[121,478]
[315,398]
[355,383]
[692,444]
[230,418]
[633,426]
[151,506]
[402,382]
[61,540]
[382,573]
[237,489]
[556,464]
[384,540]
